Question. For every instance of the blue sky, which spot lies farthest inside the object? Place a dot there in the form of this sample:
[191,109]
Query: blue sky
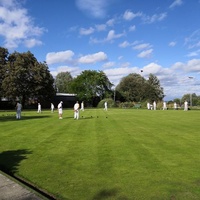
[118,37]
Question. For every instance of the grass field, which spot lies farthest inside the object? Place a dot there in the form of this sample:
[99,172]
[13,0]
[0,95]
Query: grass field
[121,154]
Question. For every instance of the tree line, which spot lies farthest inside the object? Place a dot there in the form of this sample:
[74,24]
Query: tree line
[22,77]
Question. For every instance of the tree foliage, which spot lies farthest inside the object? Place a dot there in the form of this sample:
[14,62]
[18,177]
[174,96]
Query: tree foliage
[136,88]
[132,87]
[154,92]
[3,60]
[25,78]
[63,82]
[91,85]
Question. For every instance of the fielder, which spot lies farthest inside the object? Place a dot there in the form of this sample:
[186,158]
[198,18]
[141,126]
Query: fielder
[18,110]
[76,110]
[60,110]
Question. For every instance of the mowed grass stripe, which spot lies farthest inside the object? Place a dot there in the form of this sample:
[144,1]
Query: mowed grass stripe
[122,153]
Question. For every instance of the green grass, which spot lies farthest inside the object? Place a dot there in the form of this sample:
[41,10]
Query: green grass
[119,154]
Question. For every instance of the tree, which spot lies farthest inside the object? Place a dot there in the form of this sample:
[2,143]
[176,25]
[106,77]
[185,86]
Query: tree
[63,82]
[154,92]
[92,86]
[26,78]
[132,87]
[136,88]
[3,61]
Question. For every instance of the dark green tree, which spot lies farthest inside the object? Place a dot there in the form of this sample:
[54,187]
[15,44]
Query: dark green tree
[154,92]
[91,86]
[3,61]
[132,87]
[63,82]
[26,78]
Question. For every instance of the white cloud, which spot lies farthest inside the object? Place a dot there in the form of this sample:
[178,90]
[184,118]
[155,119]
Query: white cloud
[124,44]
[190,66]
[154,18]
[129,15]
[132,28]
[101,27]
[172,44]
[145,54]
[32,42]
[110,22]
[194,53]
[84,31]
[108,64]
[95,8]
[193,41]
[111,35]
[93,58]
[59,57]
[16,25]
[74,71]
[142,46]
[176,3]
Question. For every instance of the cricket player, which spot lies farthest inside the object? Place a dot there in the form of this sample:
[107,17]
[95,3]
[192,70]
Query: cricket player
[18,110]
[106,106]
[52,107]
[60,110]
[39,108]
[76,110]
[82,106]
[154,105]
[185,106]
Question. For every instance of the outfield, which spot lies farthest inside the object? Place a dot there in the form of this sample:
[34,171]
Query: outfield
[119,154]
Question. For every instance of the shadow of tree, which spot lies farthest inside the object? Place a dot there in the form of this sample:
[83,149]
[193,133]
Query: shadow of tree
[109,194]
[10,160]
[12,117]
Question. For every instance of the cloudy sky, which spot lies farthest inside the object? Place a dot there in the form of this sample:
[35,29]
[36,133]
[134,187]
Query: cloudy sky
[118,37]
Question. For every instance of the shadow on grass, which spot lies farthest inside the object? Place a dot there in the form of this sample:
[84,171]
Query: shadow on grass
[9,163]
[109,193]
[12,117]
[10,160]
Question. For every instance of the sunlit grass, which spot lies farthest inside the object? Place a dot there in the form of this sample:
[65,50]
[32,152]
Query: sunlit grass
[118,154]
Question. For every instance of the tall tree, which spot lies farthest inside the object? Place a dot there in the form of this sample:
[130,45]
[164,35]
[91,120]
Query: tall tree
[63,82]
[25,78]
[92,85]
[132,87]
[154,92]
[3,61]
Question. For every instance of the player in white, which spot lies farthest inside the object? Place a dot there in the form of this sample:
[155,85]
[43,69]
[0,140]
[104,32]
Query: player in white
[76,110]
[39,108]
[60,110]
[154,105]
[52,107]
[175,106]
[82,106]
[106,106]
[18,110]
[164,106]
[185,106]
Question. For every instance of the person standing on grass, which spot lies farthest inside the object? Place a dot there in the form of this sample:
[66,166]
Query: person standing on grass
[82,106]
[52,107]
[76,110]
[18,110]
[185,106]
[60,110]
[164,106]
[39,108]
[106,106]
[175,106]
[148,106]
[154,105]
